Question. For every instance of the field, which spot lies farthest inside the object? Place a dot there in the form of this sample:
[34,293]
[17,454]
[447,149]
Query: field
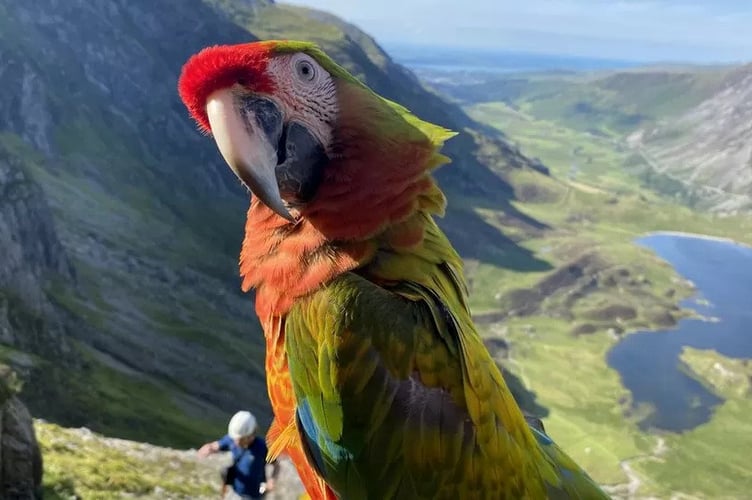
[599,204]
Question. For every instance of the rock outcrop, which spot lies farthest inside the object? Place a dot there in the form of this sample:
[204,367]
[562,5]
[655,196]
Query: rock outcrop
[708,147]
[20,457]
[31,255]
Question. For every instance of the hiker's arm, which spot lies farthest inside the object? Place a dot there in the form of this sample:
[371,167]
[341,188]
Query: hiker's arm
[215,447]
[208,449]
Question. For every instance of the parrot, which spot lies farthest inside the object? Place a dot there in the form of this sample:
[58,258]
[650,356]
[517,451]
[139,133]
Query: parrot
[379,381]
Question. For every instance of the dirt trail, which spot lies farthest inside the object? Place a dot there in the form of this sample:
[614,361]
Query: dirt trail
[630,489]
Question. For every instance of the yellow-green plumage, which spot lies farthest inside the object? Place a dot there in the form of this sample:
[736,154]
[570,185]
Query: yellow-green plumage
[360,294]
[396,395]
[406,400]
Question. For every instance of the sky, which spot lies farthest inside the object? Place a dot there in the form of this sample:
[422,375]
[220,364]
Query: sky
[638,30]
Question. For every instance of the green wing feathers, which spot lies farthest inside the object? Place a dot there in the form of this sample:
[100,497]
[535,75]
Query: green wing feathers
[398,397]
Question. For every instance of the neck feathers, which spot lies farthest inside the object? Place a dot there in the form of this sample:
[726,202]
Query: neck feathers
[378,179]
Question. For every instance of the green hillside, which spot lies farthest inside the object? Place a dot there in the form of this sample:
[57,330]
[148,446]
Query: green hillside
[143,332]
[155,340]
[560,325]
[679,130]
[607,103]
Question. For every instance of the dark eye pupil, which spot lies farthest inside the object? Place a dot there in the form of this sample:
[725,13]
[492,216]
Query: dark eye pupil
[305,70]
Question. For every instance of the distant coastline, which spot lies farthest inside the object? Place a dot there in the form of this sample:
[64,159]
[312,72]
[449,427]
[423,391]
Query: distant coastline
[431,58]
[494,61]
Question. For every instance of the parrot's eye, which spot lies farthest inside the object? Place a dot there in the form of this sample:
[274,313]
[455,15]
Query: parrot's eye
[305,70]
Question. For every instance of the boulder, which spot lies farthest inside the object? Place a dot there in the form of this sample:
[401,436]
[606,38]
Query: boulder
[20,457]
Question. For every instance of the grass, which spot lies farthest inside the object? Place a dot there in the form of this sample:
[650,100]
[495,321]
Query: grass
[272,22]
[117,404]
[729,378]
[711,460]
[582,394]
[83,465]
[98,395]
[588,161]
[597,213]
[608,103]
[588,406]
[570,153]
[568,373]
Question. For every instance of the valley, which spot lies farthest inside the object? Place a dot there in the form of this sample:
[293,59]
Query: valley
[132,292]
[609,196]
[681,129]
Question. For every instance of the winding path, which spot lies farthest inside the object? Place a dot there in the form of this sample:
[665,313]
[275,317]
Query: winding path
[630,489]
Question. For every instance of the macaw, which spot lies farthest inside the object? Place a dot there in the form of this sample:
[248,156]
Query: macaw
[380,384]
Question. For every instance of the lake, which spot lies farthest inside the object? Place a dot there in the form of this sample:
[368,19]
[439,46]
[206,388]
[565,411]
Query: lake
[648,362]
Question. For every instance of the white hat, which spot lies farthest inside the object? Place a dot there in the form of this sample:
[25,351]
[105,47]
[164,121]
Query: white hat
[242,424]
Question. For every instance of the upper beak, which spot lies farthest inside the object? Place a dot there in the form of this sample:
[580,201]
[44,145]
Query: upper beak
[247,131]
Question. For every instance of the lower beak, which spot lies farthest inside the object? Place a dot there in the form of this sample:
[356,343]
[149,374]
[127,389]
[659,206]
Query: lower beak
[247,131]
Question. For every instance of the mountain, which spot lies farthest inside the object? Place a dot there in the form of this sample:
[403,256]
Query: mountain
[708,147]
[682,130]
[605,102]
[121,225]
[145,214]
[31,251]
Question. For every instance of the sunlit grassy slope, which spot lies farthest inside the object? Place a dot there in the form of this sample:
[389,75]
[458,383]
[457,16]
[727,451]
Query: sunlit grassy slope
[713,458]
[576,155]
[609,102]
[559,346]
[79,464]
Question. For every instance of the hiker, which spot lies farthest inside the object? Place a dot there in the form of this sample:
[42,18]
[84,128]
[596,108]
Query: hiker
[247,474]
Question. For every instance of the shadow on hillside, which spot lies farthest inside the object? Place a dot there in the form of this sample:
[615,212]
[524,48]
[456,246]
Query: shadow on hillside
[527,399]
[482,176]
[513,216]
[475,238]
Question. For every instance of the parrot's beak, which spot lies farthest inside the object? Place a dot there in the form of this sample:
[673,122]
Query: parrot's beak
[247,130]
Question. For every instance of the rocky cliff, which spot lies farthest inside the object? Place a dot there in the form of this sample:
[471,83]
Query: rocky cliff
[129,265]
[708,147]
[146,214]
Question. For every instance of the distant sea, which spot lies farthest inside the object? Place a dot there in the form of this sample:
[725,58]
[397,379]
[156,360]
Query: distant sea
[450,59]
